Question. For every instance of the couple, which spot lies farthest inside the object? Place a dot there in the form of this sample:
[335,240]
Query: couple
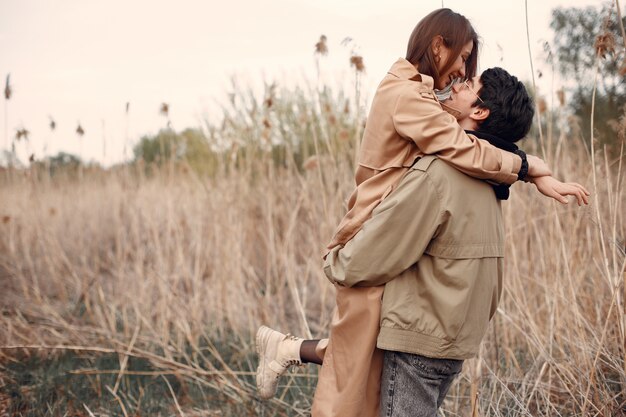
[417,260]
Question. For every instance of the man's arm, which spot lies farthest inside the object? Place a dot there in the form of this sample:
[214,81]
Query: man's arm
[393,239]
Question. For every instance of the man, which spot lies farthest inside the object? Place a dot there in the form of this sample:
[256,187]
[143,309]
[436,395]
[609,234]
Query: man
[437,244]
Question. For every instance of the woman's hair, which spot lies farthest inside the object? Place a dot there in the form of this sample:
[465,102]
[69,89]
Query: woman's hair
[455,30]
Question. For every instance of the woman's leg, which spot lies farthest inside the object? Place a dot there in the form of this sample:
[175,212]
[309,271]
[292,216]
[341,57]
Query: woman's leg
[310,352]
[278,352]
[349,384]
[349,381]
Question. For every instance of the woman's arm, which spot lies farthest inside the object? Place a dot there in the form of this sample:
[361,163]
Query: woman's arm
[537,167]
[551,187]
[419,117]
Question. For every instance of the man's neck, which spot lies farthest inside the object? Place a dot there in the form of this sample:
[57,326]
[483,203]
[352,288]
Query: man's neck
[468,124]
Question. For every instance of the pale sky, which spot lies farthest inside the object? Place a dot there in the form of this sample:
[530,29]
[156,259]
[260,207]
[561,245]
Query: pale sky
[82,60]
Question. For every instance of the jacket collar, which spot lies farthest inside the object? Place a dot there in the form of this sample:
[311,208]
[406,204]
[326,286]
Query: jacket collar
[496,141]
[404,70]
[502,190]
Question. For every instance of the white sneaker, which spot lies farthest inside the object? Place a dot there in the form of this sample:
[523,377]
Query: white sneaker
[277,353]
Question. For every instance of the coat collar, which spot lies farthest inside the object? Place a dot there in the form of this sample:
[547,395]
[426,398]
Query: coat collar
[404,70]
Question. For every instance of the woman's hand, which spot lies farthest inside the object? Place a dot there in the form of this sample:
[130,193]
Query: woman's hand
[537,166]
[551,187]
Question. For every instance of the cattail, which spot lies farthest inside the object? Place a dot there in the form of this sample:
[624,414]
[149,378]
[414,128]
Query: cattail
[6,219]
[561,96]
[165,111]
[267,123]
[605,43]
[500,51]
[542,106]
[21,134]
[321,48]
[79,130]
[127,107]
[269,100]
[311,163]
[53,124]
[8,91]
[357,62]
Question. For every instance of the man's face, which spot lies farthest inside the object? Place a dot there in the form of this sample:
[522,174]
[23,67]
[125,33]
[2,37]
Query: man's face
[464,95]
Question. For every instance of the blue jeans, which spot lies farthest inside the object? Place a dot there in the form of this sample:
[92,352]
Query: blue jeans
[414,385]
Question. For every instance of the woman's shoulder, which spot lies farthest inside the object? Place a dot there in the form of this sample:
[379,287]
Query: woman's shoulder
[403,70]
[404,79]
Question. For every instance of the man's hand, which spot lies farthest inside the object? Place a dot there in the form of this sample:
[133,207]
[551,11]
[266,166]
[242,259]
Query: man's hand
[551,187]
[537,166]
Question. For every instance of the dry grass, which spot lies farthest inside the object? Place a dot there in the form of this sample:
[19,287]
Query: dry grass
[177,271]
[181,270]
[167,268]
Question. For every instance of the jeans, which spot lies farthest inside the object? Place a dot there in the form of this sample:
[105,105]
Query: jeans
[414,385]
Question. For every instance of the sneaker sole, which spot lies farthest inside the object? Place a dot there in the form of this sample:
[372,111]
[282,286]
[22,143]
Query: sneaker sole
[261,344]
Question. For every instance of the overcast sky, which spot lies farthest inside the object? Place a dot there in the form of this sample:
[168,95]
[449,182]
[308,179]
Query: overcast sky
[83,60]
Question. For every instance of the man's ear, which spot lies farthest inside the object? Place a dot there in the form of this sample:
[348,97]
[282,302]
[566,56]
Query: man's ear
[436,44]
[479,114]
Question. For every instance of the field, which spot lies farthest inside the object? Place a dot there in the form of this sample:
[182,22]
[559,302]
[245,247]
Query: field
[137,290]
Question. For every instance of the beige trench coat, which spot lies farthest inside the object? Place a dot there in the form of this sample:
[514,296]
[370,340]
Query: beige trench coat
[406,121]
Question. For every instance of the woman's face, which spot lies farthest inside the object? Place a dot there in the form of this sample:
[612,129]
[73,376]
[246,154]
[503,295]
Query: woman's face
[457,70]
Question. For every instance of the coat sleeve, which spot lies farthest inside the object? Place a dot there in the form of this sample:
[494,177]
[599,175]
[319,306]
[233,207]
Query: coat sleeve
[419,117]
[393,239]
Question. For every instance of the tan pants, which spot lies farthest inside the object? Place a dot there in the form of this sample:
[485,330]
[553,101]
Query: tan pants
[349,381]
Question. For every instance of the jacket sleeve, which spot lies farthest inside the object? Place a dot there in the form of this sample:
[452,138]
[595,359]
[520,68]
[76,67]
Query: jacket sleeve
[419,117]
[393,239]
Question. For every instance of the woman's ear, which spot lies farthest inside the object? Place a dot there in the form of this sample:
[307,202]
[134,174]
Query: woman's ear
[436,44]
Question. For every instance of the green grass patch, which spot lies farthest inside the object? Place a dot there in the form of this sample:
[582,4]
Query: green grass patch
[77,384]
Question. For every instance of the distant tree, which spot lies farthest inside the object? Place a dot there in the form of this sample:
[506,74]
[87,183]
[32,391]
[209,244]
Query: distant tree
[155,148]
[61,163]
[8,158]
[64,160]
[197,151]
[578,33]
[190,146]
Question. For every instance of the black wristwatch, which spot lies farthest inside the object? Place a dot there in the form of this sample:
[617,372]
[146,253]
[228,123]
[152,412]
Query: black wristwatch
[523,171]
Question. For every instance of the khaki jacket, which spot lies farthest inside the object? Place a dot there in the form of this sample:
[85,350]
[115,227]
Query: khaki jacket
[406,121]
[437,242]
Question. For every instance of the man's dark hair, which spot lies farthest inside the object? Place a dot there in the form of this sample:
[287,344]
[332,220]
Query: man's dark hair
[511,109]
